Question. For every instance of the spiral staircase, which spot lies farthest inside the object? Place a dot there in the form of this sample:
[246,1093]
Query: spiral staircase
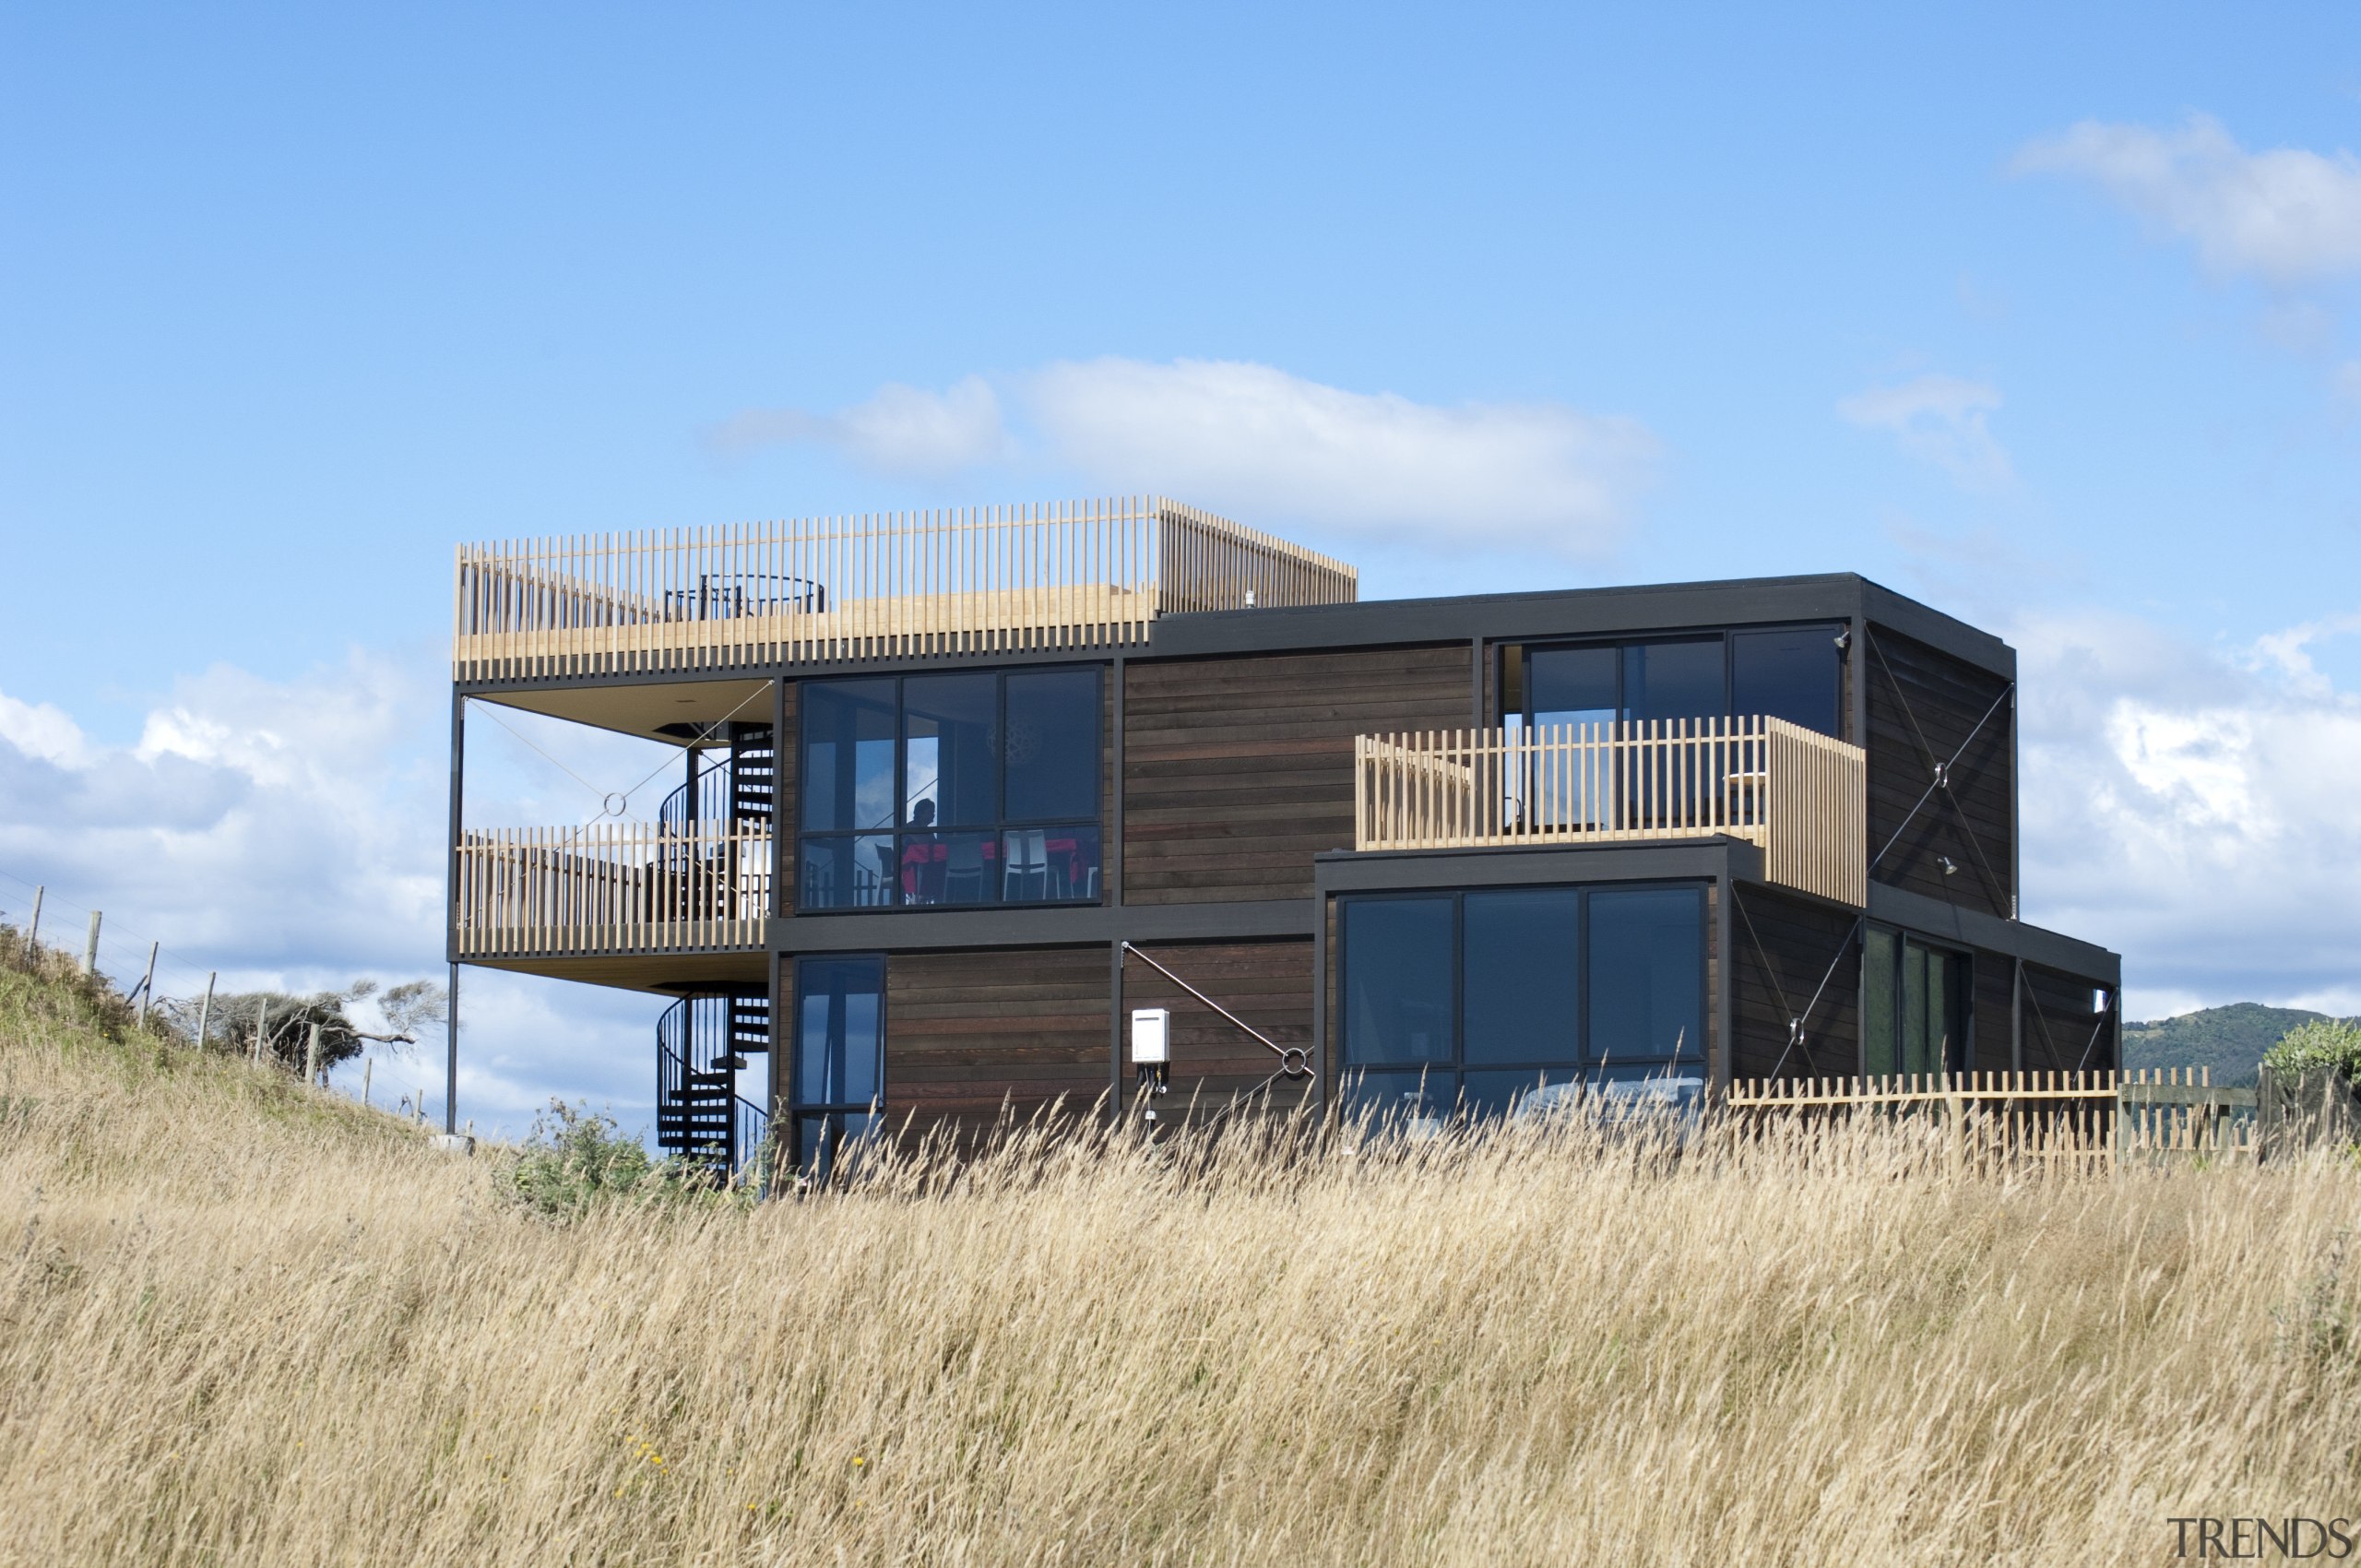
[704,1040]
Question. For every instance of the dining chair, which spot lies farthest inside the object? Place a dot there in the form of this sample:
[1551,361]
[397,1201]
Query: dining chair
[1027,878]
[963,875]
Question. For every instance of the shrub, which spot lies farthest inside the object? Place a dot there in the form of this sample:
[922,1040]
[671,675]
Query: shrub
[2323,1042]
[577,1160]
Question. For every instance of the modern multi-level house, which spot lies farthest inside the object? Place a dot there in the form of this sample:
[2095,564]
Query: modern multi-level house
[961,791]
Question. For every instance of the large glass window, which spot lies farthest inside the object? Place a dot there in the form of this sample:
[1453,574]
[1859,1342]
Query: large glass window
[1398,985]
[1575,686]
[1473,1000]
[840,1057]
[1791,672]
[950,750]
[1646,956]
[1523,990]
[962,788]
[848,773]
[1675,680]
[1054,745]
[1915,1013]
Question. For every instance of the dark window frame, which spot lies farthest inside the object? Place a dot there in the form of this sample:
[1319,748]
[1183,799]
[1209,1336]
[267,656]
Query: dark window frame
[818,1163]
[1000,824]
[1585,1066]
[1521,679]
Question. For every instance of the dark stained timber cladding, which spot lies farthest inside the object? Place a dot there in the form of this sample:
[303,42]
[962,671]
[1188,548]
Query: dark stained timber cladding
[1994,997]
[1714,1046]
[1923,708]
[1783,951]
[1268,984]
[2063,1032]
[964,1031]
[1237,771]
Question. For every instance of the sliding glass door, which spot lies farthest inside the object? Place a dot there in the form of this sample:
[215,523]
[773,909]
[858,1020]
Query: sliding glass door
[1914,1006]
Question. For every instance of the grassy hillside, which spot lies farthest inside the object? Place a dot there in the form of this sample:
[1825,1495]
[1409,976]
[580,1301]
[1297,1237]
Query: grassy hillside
[2230,1040]
[242,1322]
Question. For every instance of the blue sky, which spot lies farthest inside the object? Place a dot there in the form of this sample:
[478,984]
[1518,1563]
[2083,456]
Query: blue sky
[2053,321]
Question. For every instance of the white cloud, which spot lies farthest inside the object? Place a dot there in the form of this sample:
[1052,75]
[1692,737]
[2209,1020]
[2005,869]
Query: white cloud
[1261,442]
[1266,447]
[266,821]
[40,731]
[2288,216]
[291,834]
[2288,652]
[1939,420]
[2193,810]
[900,429]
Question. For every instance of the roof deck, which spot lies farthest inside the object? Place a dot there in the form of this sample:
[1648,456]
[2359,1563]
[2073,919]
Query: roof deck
[980,580]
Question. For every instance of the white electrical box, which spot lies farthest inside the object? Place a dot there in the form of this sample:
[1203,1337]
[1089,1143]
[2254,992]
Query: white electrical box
[1151,1036]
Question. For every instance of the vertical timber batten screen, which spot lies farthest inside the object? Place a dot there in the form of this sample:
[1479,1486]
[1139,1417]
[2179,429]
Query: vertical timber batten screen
[980,580]
[1797,793]
[612,887]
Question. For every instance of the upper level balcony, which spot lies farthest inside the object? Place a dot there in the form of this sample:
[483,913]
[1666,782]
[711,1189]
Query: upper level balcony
[611,887]
[1798,794]
[979,580]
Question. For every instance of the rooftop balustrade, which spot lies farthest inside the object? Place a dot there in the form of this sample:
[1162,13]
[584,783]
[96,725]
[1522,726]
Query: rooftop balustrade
[1796,793]
[986,580]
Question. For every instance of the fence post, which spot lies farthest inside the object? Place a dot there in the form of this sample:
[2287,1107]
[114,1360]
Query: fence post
[261,1023]
[91,948]
[148,984]
[312,1056]
[205,1009]
[2121,1143]
[32,931]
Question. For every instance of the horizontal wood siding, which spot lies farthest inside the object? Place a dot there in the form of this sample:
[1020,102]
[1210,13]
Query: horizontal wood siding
[2060,1024]
[966,1031]
[1783,948]
[1923,706]
[1237,771]
[1266,983]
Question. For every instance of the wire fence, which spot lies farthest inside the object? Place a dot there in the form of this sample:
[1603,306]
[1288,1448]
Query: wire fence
[122,955]
[166,989]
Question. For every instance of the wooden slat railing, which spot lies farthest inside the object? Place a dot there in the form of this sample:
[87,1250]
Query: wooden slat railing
[1797,793]
[2148,1114]
[612,887]
[980,580]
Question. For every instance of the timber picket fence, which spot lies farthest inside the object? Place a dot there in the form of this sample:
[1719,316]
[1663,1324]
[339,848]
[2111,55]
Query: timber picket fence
[2146,1116]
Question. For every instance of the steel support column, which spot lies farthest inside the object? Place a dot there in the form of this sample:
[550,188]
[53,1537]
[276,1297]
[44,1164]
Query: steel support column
[451,913]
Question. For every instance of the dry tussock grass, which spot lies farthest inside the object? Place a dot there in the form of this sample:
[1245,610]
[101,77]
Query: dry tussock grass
[243,1323]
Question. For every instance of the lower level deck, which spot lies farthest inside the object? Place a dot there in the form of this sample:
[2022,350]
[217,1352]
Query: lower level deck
[1468,976]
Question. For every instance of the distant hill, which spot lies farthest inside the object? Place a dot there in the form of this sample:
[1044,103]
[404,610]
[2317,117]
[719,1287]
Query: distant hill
[2229,1040]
